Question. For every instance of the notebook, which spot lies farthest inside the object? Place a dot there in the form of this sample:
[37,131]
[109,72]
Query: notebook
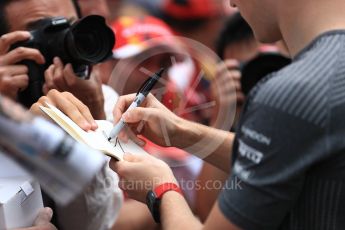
[94,139]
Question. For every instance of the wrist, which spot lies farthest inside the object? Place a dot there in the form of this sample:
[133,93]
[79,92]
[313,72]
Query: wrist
[161,189]
[96,106]
[154,198]
[164,175]
[189,131]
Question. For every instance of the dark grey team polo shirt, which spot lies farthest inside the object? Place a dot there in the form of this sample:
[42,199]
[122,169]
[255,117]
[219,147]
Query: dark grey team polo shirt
[289,150]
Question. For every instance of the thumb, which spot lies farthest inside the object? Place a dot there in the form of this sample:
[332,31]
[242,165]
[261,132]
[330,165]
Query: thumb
[138,114]
[44,217]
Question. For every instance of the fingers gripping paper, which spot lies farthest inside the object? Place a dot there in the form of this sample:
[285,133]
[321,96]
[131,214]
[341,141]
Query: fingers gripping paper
[95,139]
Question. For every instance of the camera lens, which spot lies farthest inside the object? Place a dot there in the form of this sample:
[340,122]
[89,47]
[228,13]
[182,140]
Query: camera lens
[93,44]
[83,42]
[90,40]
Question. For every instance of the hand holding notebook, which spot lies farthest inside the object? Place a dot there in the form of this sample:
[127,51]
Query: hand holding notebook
[94,139]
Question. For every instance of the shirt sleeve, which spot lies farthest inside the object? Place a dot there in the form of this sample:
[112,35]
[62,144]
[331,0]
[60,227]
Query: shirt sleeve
[274,151]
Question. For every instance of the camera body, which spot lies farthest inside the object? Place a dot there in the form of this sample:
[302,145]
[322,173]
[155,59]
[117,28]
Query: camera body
[84,43]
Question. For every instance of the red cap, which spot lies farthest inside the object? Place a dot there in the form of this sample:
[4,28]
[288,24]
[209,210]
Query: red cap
[193,9]
[135,35]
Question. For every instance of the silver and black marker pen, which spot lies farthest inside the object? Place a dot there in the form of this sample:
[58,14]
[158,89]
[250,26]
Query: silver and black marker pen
[141,95]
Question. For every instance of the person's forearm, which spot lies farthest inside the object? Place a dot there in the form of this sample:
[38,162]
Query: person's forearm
[98,112]
[96,106]
[210,144]
[176,214]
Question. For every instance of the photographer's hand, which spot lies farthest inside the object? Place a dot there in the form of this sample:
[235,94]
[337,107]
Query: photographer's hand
[226,90]
[61,77]
[13,76]
[68,104]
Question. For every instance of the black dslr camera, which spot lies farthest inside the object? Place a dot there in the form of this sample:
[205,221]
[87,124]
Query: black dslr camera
[84,43]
